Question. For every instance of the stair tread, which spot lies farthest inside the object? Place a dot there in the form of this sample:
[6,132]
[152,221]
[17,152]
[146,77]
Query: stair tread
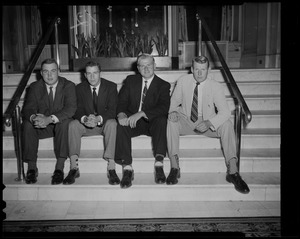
[256,131]
[147,179]
[147,154]
[260,96]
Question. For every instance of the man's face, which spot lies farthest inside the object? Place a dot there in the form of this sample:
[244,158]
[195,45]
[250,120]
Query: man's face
[146,67]
[50,73]
[92,73]
[200,71]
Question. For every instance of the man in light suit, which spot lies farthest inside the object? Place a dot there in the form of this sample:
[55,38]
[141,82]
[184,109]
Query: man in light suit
[95,115]
[143,105]
[48,109]
[208,114]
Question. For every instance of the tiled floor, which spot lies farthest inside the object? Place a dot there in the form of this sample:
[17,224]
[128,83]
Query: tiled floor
[59,210]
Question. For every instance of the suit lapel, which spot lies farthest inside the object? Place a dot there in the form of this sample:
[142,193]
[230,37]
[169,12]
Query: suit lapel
[152,88]
[44,92]
[138,91]
[58,94]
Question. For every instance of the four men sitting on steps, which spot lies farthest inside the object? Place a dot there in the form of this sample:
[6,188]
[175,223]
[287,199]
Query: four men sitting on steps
[143,106]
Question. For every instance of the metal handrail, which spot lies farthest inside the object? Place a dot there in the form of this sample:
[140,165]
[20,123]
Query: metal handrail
[242,107]
[13,110]
[23,83]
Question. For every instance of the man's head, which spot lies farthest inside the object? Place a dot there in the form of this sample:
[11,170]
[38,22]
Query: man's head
[49,71]
[146,65]
[93,73]
[200,67]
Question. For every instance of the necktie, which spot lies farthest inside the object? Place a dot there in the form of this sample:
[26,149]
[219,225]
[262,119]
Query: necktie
[144,92]
[51,99]
[194,111]
[95,100]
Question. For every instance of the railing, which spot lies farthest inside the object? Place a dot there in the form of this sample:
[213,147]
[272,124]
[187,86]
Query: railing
[12,112]
[241,107]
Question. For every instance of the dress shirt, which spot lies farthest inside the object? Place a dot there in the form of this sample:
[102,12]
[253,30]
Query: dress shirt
[143,84]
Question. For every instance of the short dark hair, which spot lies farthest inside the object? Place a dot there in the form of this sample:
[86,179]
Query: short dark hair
[92,64]
[49,61]
[201,60]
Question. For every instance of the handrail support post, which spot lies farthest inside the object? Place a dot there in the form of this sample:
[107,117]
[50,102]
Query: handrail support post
[18,143]
[57,42]
[238,132]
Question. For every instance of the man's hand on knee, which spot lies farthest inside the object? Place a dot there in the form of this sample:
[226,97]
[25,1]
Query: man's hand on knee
[173,116]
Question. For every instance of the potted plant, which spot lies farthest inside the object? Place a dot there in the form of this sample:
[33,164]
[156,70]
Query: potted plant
[119,51]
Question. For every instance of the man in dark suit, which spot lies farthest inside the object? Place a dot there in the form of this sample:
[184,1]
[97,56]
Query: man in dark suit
[48,109]
[143,105]
[96,112]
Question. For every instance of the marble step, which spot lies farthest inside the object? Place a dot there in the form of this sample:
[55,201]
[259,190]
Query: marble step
[251,138]
[254,102]
[252,75]
[246,88]
[260,119]
[191,161]
[191,187]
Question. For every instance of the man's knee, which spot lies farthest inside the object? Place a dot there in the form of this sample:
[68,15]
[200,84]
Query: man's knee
[110,125]
[226,126]
[73,124]
[27,126]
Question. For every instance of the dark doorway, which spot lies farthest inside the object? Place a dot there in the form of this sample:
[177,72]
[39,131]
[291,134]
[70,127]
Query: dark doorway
[48,12]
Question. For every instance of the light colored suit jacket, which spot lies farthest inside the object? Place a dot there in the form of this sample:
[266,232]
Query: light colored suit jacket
[214,104]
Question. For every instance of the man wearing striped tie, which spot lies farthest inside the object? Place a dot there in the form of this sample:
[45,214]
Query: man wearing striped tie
[198,106]
[143,105]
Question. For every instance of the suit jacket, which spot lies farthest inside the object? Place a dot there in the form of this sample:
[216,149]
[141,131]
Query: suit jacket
[214,104]
[157,100]
[64,105]
[106,104]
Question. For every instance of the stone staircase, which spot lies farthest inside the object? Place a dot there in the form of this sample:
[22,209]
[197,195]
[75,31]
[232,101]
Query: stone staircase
[202,163]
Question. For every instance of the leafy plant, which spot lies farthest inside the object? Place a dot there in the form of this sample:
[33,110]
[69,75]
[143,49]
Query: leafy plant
[120,45]
[146,46]
[134,46]
[161,43]
[94,46]
[108,44]
[81,49]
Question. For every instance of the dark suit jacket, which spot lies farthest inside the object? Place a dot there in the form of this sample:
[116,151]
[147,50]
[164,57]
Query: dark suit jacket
[157,100]
[107,100]
[64,105]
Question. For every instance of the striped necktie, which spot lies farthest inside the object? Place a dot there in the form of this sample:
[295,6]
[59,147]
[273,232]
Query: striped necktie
[144,93]
[194,111]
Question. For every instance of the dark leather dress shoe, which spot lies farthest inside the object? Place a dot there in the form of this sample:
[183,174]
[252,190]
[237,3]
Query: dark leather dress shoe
[57,177]
[173,176]
[238,183]
[127,179]
[31,176]
[159,175]
[113,178]
[73,173]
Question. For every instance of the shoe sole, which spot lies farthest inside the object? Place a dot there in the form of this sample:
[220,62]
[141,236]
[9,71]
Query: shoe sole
[229,181]
[68,183]
[112,183]
[162,181]
[36,175]
[125,186]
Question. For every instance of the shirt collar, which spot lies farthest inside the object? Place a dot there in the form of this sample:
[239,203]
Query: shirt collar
[54,86]
[97,87]
[148,80]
